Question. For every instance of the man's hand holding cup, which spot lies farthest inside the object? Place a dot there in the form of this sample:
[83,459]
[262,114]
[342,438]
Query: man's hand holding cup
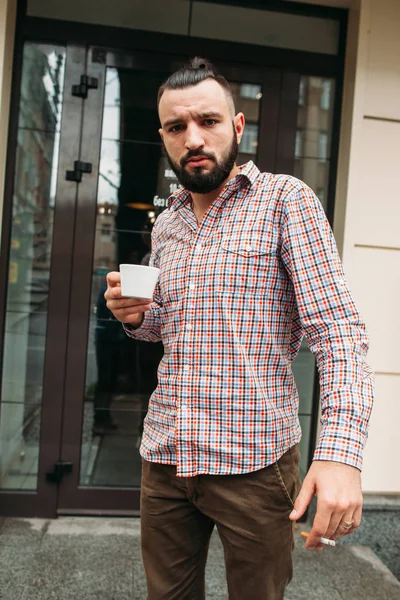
[129,292]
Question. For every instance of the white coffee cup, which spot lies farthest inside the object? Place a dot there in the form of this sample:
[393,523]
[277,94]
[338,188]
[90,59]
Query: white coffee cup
[138,281]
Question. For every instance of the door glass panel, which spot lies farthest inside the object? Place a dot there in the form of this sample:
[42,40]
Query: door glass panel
[122,373]
[247,99]
[314,134]
[135,181]
[312,164]
[29,263]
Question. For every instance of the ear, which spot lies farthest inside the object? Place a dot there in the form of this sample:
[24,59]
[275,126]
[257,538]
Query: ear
[239,123]
[160,131]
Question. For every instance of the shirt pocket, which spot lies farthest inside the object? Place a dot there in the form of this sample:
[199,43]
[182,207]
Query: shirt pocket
[248,246]
[248,263]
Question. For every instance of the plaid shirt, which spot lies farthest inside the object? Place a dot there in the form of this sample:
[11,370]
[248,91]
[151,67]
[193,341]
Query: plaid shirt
[235,295]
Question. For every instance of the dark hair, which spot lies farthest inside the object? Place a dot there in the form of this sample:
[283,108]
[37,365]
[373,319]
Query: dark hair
[196,71]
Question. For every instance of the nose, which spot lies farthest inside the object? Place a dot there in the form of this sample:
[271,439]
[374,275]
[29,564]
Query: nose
[194,138]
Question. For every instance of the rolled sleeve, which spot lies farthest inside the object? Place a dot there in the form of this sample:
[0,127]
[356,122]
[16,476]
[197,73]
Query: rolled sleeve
[333,328]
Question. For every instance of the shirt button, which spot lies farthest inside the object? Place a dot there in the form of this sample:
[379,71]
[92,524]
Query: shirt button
[198,247]
[183,407]
[186,367]
[249,248]
[189,326]
[192,286]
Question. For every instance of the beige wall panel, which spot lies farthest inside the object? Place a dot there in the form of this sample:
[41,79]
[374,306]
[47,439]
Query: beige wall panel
[381,472]
[374,199]
[374,279]
[8,10]
[383,84]
[346,126]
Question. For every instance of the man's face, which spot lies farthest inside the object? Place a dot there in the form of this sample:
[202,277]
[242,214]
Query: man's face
[200,135]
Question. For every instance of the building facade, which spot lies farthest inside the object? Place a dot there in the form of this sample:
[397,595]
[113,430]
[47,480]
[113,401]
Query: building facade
[83,178]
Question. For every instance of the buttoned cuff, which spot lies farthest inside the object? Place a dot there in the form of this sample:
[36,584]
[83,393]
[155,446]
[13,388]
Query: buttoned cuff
[341,444]
[149,330]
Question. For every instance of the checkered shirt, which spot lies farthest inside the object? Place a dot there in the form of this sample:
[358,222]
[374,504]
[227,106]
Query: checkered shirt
[235,295]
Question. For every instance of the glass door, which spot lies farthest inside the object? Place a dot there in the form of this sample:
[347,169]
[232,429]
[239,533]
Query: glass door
[29,251]
[90,179]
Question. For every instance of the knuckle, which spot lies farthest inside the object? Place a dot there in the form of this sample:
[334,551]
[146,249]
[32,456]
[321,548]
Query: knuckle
[329,503]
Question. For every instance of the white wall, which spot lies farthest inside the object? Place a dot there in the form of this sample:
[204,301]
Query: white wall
[367,219]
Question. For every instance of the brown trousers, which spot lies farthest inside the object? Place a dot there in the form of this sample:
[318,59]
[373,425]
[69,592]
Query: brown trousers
[251,514]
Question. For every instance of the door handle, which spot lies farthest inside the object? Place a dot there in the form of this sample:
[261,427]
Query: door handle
[60,469]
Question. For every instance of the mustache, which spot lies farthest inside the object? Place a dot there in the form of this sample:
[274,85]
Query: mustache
[185,159]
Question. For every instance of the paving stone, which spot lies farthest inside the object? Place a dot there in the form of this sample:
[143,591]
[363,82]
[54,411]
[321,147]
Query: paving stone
[99,559]
[22,531]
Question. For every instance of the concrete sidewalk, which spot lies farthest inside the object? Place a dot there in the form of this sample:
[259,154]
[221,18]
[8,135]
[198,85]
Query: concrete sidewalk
[99,559]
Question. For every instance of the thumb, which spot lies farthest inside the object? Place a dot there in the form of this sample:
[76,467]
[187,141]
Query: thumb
[303,499]
[113,278]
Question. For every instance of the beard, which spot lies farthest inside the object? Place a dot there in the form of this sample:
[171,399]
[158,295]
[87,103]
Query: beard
[199,182]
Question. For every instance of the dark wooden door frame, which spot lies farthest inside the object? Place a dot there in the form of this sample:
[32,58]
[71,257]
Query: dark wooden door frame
[44,501]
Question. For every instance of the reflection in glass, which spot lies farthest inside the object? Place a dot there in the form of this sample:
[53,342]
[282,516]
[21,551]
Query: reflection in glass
[312,163]
[247,97]
[249,142]
[29,263]
[314,133]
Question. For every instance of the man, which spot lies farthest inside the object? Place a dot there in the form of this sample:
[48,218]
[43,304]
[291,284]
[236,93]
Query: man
[247,265]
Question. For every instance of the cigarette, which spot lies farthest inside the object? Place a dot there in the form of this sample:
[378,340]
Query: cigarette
[323,540]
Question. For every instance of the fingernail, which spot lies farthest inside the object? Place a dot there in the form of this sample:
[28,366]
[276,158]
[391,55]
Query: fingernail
[293,514]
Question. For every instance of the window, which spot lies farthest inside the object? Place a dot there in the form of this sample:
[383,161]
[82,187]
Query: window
[106,230]
[323,142]
[248,90]
[302,92]
[298,149]
[326,94]
[249,142]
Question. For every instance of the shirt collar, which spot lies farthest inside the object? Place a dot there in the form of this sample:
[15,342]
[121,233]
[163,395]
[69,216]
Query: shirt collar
[247,173]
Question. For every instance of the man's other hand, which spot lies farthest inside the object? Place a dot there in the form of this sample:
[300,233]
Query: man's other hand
[126,310]
[339,504]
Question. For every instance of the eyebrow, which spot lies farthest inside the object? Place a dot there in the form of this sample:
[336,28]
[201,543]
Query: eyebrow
[204,115]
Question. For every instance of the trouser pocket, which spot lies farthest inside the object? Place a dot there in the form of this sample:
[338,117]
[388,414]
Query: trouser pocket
[287,473]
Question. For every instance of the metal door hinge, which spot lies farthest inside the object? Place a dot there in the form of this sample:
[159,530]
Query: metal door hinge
[79,168]
[87,83]
[60,469]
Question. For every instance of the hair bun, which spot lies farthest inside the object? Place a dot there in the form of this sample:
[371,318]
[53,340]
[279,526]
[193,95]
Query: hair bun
[200,63]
